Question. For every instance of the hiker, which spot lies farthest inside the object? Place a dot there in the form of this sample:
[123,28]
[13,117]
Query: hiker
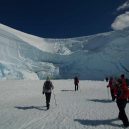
[106,79]
[111,84]
[76,81]
[122,94]
[124,82]
[47,89]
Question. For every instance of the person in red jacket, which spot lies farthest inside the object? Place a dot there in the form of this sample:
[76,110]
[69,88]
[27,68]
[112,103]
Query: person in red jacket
[122,94]
[123,80]
[111,84]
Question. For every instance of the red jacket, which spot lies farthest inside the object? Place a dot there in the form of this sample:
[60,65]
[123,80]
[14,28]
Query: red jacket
[125,92]
[124,84]
[110,84]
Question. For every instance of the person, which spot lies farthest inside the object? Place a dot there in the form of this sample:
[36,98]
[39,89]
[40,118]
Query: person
[76,82]
[122,94]
[47,89]
[111,84]
[106,79]
[124,82]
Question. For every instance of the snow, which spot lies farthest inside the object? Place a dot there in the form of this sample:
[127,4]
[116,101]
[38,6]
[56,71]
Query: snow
[22,106]
[25,56]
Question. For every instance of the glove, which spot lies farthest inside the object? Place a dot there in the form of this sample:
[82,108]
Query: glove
[43,92]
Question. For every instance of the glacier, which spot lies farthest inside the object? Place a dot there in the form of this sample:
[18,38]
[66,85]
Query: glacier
[25,56]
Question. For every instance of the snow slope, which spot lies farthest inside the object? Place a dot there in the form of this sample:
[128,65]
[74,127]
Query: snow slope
[22,106]
[24,56]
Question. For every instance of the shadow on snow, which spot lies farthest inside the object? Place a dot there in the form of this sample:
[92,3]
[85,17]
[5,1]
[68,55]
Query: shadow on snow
[98,122]
[31,107]
[101,100]
[67,90]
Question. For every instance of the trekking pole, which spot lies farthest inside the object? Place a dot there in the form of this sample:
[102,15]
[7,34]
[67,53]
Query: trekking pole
[54,98]
[79,87]
[43,98]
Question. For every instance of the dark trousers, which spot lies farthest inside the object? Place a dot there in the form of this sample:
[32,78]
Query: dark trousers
[112,94]
[48,97]
[76,87]
[121,103]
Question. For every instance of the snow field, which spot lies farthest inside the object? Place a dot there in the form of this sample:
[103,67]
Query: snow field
[22,106]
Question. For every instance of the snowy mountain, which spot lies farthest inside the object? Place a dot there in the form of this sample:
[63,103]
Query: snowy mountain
[24,56]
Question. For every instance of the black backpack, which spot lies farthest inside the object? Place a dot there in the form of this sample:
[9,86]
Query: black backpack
[119,92]
[48,85]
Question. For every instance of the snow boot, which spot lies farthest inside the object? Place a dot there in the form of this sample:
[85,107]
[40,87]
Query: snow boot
[48,106]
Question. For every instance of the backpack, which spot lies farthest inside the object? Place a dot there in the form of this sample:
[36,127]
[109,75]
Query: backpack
[48,85]
[76,81]
[119,92]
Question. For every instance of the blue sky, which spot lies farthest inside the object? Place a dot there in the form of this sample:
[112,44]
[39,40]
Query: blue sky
[64,18]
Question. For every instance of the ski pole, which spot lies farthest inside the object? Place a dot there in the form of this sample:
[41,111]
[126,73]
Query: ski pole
[54,98]
[79,87]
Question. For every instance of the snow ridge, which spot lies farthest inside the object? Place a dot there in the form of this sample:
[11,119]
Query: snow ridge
[24,56]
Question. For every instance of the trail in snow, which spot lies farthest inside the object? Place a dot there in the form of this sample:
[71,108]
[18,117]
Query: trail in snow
[22,106]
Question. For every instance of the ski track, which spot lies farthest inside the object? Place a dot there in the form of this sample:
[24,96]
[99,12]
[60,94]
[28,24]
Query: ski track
[88,108]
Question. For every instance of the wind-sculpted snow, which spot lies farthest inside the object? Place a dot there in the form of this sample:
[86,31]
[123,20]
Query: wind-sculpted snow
[25,56]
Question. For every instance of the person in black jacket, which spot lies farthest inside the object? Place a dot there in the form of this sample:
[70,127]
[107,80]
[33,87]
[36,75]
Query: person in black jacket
[76,82]
[106,79]
[47,89]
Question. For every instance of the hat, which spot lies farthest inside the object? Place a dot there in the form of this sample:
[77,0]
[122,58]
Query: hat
[48,78]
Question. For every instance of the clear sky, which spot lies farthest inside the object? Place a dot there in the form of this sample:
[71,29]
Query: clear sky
[60,18]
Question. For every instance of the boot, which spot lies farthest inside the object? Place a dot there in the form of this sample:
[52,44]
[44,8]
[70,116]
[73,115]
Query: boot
[48,105]
[126,125]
